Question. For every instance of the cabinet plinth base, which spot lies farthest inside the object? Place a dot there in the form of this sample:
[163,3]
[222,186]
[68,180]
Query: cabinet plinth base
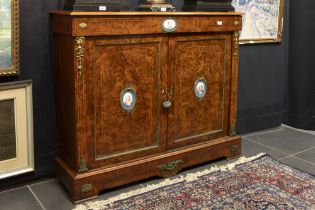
[89,184]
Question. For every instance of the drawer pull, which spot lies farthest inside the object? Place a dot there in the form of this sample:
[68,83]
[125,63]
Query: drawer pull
[82,25]
[236,22]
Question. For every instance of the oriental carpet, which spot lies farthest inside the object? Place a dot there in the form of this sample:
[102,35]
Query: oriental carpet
[250,183]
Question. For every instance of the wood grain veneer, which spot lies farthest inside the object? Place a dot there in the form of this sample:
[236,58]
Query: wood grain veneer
[100,54]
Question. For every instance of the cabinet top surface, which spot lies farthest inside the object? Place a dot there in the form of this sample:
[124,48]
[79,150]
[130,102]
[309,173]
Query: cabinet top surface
[136,13]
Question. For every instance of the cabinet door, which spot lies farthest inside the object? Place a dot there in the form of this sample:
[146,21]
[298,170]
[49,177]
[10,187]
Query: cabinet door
[123,83]
[200,80]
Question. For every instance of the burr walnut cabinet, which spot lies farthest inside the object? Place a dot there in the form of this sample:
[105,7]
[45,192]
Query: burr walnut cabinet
[142,94]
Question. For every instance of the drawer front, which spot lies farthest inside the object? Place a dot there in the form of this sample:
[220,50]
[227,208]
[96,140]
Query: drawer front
[87,26]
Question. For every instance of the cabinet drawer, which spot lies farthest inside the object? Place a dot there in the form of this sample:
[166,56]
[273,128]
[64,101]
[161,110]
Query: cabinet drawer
[140,24]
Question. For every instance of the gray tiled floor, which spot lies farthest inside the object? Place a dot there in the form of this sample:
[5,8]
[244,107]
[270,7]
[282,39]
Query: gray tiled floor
[20,198]
[290,146]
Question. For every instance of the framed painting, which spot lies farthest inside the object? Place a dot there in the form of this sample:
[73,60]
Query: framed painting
[16,129]
[9,37]
[262,20]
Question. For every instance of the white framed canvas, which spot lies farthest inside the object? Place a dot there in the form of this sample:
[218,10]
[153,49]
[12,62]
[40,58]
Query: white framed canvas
[16,129]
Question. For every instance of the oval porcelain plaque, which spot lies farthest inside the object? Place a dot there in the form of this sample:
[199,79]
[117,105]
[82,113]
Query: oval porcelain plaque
[200,88]
[169,24]
[128,99]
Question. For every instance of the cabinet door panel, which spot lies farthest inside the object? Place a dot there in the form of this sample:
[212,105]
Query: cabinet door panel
[123,66]
[201,83]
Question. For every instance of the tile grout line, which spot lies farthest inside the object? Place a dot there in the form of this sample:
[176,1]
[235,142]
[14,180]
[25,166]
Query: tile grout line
[311,132]
[304,160]
[16,188]
[40,203]
[297,153]
[292,155]
[263,132]
[8,190]
[269,147]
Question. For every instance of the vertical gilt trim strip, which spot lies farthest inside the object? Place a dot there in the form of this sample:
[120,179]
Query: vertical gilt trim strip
[236,43]
[79,53]
[234,84]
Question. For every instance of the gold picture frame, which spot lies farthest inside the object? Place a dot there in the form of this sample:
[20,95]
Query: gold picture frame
[262,20]
[9,38]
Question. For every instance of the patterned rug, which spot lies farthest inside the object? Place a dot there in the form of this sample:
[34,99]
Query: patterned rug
[250,183]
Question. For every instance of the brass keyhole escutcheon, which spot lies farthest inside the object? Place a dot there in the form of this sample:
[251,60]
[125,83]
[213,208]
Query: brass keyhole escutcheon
[167,97]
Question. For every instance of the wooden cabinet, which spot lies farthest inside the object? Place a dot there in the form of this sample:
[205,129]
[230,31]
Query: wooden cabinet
[181,85]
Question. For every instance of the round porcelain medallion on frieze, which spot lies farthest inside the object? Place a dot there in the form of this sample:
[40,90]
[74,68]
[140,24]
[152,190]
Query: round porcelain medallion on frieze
[200,88]
[169,24]
[128,99]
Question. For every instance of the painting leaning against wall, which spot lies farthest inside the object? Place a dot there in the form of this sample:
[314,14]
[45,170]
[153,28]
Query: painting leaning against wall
[16,128]
[9,37]
[262,20]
